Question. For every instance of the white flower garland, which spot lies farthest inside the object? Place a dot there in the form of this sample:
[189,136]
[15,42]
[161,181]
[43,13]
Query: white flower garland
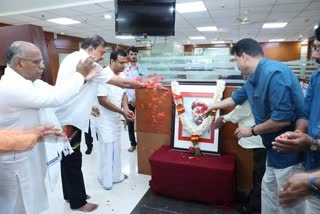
[206,123]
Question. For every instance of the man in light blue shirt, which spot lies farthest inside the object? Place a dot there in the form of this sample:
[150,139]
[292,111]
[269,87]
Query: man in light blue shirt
[132,71]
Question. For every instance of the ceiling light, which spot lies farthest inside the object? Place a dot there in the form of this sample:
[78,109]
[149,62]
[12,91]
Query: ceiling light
[107,16]
[276,40]
[208,28]
[217,42]
[64,21]
[190,7]
[315,27]
[275,25]
[197,37]
[125,37]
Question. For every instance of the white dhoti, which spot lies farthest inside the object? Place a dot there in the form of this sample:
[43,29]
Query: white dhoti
[109,137]
[109,158]
[109,164]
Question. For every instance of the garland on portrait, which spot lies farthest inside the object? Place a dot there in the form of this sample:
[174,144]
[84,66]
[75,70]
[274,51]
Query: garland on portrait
[196,132]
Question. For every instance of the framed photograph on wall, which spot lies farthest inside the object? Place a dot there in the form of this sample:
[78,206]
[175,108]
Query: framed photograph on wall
[195,98]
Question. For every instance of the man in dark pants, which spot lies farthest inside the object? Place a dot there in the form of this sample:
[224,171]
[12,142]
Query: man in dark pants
[259,167]
[242,115]
[132,136]
[76,114]
[132,71]
[89,141]
[69,170]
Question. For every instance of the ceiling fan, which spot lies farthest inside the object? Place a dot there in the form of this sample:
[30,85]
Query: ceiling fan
[245,20]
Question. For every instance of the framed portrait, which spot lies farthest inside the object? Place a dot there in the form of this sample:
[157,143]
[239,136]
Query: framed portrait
[196,97]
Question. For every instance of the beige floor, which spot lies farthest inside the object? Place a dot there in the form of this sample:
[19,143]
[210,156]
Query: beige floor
[120,200]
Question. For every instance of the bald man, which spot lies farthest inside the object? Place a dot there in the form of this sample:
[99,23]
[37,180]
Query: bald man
[22,97]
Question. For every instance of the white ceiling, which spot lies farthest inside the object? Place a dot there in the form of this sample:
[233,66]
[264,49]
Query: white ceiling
[301,16]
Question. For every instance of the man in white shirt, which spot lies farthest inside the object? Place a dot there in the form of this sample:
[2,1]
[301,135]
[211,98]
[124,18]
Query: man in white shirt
[132,71]
[242,115]
[76,114]
[22,187]
[111,99]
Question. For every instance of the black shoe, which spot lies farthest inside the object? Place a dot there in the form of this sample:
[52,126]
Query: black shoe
[89,150]
[244,209]
[132,148]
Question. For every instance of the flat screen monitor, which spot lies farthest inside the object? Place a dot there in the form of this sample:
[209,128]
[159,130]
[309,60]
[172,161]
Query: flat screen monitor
[145,17]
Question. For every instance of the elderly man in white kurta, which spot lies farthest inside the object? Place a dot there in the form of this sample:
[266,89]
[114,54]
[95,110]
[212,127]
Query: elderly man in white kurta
[22,96]
[111,99]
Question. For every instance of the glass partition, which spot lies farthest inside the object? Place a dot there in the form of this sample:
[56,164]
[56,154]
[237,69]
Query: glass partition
[192,68]
[209,68]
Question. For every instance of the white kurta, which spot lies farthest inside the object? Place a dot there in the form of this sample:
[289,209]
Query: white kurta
[22,188]
[109,126]
[242,115]
[77,110]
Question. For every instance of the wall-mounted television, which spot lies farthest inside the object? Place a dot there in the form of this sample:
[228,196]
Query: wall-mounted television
[145,17]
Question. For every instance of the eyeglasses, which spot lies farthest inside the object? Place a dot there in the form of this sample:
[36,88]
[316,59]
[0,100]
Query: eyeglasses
[36,62]
[316,48]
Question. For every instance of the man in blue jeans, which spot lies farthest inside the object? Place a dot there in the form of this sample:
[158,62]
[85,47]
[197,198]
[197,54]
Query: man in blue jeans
[276,100]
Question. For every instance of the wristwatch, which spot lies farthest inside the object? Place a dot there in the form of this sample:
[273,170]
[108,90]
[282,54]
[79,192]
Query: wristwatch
[252,130]
[223,120]
[314,145]
[313,186]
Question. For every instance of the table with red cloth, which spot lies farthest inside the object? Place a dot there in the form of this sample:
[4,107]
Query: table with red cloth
[206,178]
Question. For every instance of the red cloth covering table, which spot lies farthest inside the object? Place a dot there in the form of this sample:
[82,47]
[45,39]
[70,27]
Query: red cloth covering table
[205,178]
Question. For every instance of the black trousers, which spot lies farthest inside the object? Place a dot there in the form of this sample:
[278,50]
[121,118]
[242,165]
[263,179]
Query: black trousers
[72,179]
[88,138]
[259,167]
[132,137]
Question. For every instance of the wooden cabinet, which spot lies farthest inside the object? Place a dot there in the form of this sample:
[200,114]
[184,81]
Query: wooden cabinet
[28,33]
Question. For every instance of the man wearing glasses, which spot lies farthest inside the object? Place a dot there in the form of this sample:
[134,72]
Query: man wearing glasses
[23,96]
[276,100]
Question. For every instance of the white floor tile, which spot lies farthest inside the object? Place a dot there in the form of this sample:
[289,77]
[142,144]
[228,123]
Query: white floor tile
[121,199]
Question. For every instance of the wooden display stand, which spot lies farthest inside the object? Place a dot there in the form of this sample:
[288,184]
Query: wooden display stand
[152,133]
[28,33]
